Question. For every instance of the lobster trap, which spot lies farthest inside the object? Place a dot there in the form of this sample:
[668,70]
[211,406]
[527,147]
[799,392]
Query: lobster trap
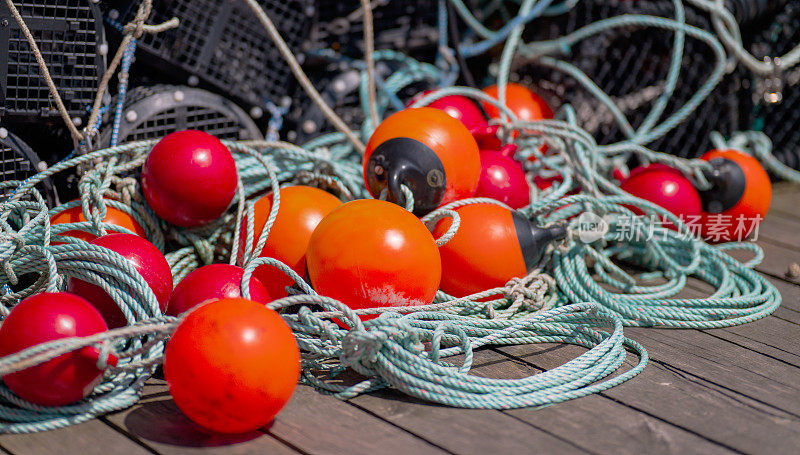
[630,64]
[19,162]
[70,36]
[774,97]
[153,112]
[410,25]
[221,45]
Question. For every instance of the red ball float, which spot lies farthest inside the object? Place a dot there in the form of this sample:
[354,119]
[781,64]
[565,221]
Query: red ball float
[232,365]
[666,187]
[213,282]
[370,253]
[47,317]
[113,216]
[431,153]
[189,178]
[739,198]
[503,179]
[301,209]
[459,107]
[145,258]
[492,246]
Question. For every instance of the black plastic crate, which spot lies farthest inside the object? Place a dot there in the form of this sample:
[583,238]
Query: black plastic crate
[631,64]
[221,45]
[153,112]
[69,34]
[19,162]
[409,26]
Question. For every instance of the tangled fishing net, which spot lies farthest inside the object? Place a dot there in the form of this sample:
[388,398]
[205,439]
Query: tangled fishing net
[585,289]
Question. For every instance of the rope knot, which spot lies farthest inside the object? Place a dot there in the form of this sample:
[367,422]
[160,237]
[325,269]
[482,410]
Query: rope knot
[361,346]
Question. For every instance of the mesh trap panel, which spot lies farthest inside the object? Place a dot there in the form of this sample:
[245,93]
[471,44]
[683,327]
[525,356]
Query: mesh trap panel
[780,121]
[153,112]
[19,162]
[630,64]
[340,89]
[223,44]
[405,25]
[68,33]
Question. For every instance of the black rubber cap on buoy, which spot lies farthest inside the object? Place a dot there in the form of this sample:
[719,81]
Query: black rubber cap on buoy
[405,161]
[533,240]
[727,186]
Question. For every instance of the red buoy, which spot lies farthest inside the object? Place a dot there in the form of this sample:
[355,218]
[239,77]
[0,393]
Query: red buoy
[492,246]
[47,317]
[428,151]
[370,253]
[232,365]
[113,216]
[503,179]
[213,282]
[300,211]
[189,178]
[459,107]
[145,258]
[740,196]
[666,187]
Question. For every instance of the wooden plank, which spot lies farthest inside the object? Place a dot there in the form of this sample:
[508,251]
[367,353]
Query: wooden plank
[468,431]
[317,423]
[725,364]
[599,424]
[310,422]
[784,199]
[88,438]
[723,416]
[158,424]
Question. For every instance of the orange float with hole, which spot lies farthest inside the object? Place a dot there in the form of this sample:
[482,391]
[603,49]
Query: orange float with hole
[492,245]
[739,197]
[370,253]
[300,211]
[428,151]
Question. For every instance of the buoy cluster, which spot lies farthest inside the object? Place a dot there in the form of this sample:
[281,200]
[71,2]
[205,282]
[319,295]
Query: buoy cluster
[232,362]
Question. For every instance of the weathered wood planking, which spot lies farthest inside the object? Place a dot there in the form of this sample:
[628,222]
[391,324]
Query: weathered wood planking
[88,438]
[715,413]
[317,423]
[467,431]
[156,423]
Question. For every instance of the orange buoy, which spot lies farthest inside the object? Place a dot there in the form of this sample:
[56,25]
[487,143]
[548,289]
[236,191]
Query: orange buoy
[113,216]
[301,209]
[492,245]
[522,101]
[232,365]
[428,151]
[371,253]
[739,198]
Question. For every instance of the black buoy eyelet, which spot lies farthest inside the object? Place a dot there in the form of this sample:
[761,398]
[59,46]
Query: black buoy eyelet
[404,161]
[728,183]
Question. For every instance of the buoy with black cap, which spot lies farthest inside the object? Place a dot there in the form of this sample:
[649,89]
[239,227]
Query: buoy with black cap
[739,197]
[491,246]
[666,187]
[428,151]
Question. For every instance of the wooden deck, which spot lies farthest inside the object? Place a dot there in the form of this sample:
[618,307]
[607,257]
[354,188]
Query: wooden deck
[734,390]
